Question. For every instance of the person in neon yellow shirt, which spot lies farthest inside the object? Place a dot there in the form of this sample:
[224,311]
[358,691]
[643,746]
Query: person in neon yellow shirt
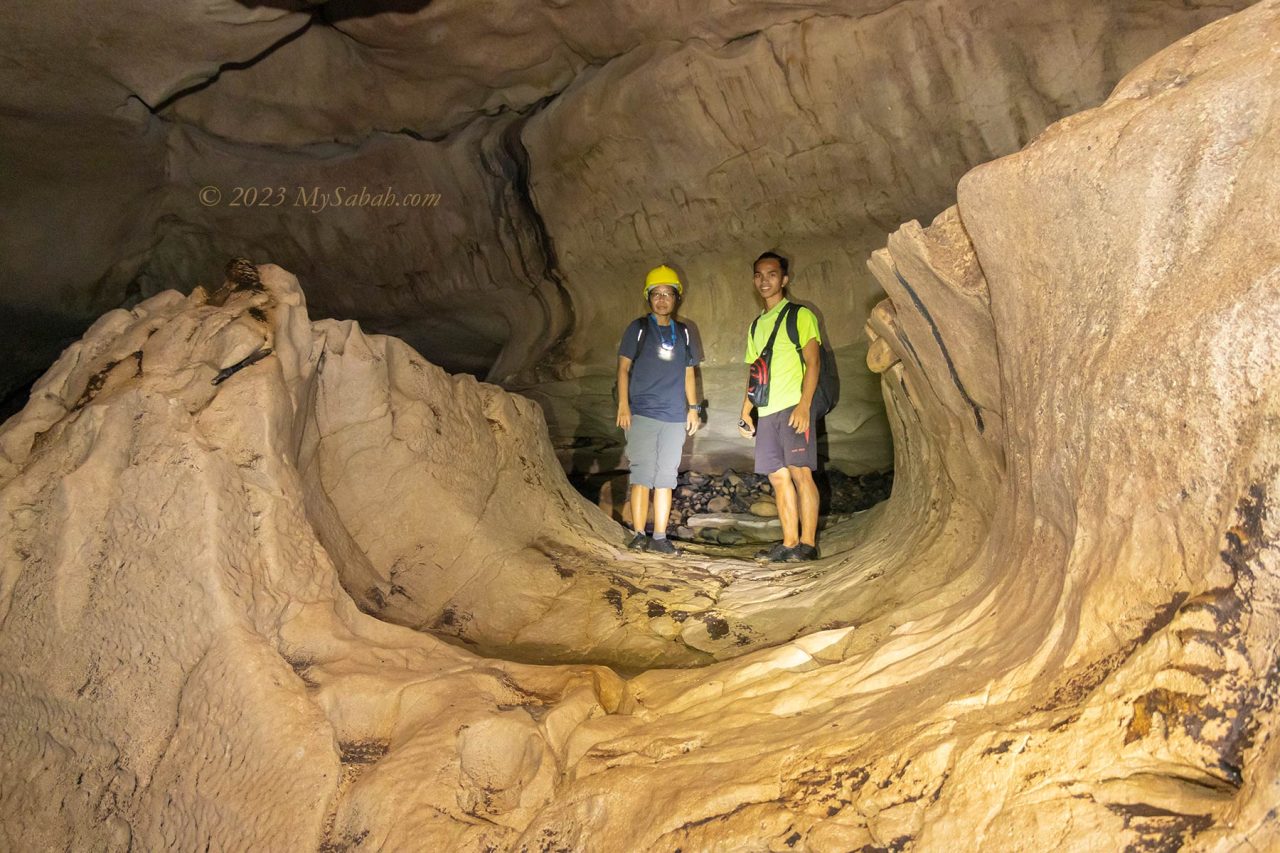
[786,439]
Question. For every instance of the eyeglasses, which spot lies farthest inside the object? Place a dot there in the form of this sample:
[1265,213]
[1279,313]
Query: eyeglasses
[662,294]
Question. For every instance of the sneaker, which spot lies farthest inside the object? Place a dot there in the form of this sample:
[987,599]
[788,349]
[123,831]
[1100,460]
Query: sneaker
[639,543]
[802,553]
[777,554]
[662,546]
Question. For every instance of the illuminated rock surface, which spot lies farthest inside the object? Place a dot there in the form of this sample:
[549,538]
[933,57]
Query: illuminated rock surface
[1060,632]
[572,146]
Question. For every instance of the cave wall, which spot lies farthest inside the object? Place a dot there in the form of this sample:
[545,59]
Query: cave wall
[1061,631]
[572,149]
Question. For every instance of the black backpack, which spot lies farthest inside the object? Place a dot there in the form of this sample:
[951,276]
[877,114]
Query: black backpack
[827,393]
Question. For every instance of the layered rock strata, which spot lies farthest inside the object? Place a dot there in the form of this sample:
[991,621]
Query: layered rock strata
[570,147]
[1061,631]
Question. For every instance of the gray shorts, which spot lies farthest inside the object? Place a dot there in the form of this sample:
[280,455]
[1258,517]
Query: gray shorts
[654,448]
[779,446]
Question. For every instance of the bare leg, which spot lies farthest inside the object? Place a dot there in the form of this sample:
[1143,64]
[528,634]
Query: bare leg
[784,492]
[807,491]
[639,508]
[661,510]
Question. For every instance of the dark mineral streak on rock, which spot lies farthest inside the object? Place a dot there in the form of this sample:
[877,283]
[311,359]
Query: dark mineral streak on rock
[614,597]
[717,628]
[363,751]
[942,346]
[253,358]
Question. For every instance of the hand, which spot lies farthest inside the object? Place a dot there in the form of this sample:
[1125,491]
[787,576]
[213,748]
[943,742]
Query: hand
[747,431]
[692,422]
[624,416]
[799,420]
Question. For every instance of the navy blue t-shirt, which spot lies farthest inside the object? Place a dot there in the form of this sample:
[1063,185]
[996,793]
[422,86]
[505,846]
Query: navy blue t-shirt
[657,384]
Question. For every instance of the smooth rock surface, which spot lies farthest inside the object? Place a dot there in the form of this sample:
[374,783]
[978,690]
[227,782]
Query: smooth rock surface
[1060,632]
[764,509]
[571,146]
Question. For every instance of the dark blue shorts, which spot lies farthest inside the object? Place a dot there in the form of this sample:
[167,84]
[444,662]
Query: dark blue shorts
[779,446]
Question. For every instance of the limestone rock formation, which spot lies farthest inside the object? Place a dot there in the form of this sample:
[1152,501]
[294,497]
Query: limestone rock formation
[571,146]
[177,652]
[268,583]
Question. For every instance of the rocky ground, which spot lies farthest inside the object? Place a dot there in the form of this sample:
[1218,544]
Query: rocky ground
[733,507]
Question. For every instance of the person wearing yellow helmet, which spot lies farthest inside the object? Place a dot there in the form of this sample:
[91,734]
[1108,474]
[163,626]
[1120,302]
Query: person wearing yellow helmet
[663,275]
[657,405]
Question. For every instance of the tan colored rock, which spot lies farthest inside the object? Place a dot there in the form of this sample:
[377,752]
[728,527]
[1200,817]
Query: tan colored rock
[538,125]
[814,136]
[1060,631]
[732,528]
[880,356]
[718,504]
[764,509]
[195,645]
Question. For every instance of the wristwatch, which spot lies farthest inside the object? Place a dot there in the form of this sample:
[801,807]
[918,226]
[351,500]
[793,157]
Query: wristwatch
[695,407]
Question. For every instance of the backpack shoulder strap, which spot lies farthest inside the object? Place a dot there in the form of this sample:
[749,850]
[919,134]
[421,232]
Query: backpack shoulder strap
[793,328]
[768,347]
[681,327]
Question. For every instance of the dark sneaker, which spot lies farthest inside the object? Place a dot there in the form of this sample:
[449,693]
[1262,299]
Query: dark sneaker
[662,546]
[777,554]
[639,543]
[802,553]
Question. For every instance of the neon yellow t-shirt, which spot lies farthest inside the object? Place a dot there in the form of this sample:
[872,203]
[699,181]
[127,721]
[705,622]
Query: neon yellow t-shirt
[786,368]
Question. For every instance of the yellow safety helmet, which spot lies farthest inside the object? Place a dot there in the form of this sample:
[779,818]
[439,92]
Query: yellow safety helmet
[662,275]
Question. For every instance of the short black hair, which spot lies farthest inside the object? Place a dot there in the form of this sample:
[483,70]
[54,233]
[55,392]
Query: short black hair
[772,256]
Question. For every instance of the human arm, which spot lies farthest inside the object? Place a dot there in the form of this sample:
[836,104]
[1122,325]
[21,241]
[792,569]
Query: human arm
[799,420]
[624,392]
[693,419]
[745,417]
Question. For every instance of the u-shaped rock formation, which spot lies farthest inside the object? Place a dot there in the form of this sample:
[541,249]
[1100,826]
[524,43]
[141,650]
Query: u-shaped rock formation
[275,584]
